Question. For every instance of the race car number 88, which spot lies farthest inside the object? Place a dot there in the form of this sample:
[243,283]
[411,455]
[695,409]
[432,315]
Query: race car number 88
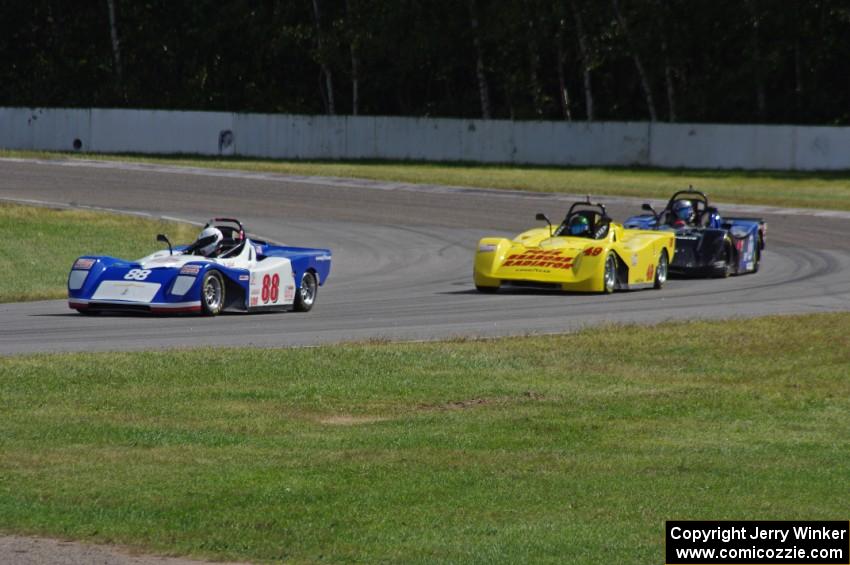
[137,274]
[271,288]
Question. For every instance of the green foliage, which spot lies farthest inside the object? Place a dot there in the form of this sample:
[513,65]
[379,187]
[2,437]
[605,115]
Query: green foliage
[417,58]
[43,243]
[554,449]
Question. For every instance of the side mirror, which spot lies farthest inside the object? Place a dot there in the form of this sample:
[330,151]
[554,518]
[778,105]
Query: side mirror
[648,207]
[163,239]
[543,218]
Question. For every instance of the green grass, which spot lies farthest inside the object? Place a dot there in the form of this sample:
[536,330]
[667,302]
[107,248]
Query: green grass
[829,190]
[41,244]
[569,449]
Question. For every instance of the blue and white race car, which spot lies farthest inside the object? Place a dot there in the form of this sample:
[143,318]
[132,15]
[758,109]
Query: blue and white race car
[706,243]
[222,270]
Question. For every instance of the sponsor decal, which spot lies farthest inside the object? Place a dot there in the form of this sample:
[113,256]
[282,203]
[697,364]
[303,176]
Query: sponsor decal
[190,270]
[289,292]
[83,264]
[650,271]
[634,259]
[323,258]
[487,247]
[244,277]
[255,300]
[551,259]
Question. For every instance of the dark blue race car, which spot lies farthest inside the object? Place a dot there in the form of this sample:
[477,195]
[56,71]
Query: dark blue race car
[706,243]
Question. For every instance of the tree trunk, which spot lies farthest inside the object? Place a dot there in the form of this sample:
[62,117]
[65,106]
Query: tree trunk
[355,80]
[483,90]
[116,47]
[585,63]
[326,71]
[533,64]
[758,64]
[644,80]
[355,77]
[562,83]
[668,79]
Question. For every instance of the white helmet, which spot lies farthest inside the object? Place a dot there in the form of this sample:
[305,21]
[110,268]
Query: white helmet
[208,241]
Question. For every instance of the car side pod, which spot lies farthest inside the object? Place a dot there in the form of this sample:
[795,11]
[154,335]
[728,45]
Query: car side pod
[489,254]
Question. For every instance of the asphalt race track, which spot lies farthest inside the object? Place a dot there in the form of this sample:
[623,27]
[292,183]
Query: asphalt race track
[402,261]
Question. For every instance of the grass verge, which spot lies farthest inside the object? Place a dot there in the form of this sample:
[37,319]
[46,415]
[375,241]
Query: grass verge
[828,190]
[42,243]
[569,449]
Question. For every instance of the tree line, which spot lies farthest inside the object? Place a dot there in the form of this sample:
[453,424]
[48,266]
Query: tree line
[727,61]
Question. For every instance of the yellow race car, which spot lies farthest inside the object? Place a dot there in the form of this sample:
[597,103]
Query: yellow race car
[587,253]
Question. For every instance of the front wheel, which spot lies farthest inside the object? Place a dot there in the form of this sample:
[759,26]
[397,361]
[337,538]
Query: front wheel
[661,270]
[212,293]
[487,289]
[609,279]
[724,269]
[756,259]
[306,295]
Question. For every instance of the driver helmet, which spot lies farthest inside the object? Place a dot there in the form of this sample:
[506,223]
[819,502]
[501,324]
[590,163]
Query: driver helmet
[579,226]
[683,210]
[208,241]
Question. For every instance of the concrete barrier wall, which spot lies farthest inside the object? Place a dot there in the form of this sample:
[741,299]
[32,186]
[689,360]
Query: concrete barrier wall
[369,137]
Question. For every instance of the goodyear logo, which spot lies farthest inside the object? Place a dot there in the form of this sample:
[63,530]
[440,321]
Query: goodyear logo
[551,259]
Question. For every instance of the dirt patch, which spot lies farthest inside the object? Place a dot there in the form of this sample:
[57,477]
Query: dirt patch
[20,550]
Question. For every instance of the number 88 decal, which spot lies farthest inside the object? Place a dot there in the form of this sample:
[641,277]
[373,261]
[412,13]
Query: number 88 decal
[271,288]
[137,274]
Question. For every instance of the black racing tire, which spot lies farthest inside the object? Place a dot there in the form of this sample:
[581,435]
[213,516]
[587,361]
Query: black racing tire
[212,293]
[726,269]
[308,290]
[609,275]
[757,258]
[661,270]
[487,289]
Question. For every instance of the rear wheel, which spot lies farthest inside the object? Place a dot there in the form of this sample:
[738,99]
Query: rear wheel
[661,270]
[306,295]
[609,278]
[212,293]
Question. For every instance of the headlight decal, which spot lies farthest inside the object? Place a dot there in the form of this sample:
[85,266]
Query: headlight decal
[76,279]
[182,284]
